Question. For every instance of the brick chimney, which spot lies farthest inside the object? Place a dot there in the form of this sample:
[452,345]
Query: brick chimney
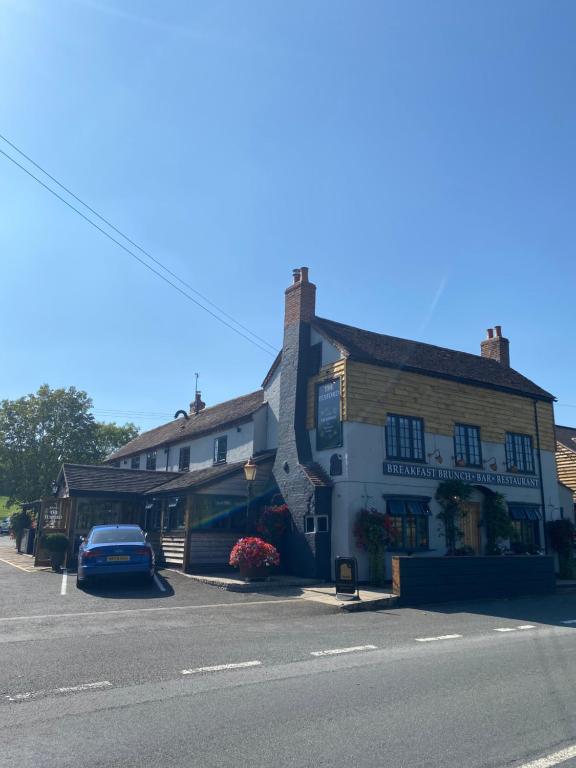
[197,404]
[495,346]
[308,553]
[300,304]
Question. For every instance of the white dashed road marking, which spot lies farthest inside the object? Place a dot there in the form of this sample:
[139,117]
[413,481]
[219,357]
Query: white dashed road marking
[53,691]
[440,637]
[335,651]
[513,629]
[159,584]
[222,667]
[568,621]
[551,760]
[64,582]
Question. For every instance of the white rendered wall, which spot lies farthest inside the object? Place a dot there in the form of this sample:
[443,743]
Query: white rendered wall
[272,398]
[363,484]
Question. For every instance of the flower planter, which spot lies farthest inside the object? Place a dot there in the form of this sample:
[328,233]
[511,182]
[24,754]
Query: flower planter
[258,573]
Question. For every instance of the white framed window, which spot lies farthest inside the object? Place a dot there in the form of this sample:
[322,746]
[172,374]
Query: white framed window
[316,524]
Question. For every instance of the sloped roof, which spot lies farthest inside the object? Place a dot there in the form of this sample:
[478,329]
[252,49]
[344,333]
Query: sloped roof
[218,416]
[316,474]
[417,357]
[97,478]
[188,480]
[566,436]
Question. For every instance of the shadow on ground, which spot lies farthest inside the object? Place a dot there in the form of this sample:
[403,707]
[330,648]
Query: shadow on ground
[119,587]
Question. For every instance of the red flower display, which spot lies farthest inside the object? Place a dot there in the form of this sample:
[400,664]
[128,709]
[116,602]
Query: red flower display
[252,552]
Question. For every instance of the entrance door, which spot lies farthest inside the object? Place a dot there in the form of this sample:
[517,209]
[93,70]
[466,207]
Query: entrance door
[470,526]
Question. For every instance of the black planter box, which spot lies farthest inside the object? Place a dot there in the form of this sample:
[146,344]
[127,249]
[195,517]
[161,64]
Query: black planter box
[419,580]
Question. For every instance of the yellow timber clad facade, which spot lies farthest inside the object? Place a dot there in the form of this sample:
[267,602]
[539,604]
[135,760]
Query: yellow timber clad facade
[369,393]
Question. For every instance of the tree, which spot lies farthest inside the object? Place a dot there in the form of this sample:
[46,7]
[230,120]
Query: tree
[40,431]
[110,437]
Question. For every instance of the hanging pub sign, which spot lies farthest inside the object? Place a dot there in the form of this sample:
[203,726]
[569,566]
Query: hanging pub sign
[328,422]
[346,578]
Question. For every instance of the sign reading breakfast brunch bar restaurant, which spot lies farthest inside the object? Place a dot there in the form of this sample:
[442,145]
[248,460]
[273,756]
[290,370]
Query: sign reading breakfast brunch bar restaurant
[423,472]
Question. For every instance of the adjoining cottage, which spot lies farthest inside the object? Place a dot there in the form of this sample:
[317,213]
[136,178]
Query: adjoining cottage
[566,462]
[345,419]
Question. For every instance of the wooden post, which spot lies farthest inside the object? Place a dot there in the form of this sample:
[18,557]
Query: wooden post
[187,528]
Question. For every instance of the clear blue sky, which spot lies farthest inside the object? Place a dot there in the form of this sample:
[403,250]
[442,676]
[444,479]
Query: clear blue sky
[418,156]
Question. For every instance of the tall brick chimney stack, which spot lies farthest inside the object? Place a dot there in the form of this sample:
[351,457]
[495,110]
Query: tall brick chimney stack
[300,299]
[496,347]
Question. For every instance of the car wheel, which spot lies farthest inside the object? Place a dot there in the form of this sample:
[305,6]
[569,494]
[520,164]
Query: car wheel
[148,580]
[80,583]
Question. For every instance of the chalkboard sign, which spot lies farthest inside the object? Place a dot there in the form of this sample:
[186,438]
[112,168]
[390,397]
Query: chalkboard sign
[328,423]
[346,578]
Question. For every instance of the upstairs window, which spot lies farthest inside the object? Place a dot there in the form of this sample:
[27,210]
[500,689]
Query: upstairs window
[151,460]
[220,450]
[467,452]
[135,462]
[519,453]
[404,438]
[184,459]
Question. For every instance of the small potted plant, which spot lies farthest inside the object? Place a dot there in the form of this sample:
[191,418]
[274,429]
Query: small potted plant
[254,557]
[56,544]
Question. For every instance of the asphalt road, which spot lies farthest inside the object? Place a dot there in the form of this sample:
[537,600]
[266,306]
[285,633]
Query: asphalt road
[142,677]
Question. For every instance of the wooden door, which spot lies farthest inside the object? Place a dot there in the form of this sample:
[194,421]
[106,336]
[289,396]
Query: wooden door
[470,526]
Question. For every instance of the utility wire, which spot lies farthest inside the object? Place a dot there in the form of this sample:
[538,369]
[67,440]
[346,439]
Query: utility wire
[129,240]
[135,256]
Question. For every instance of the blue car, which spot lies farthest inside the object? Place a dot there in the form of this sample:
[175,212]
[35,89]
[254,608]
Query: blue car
[114,550]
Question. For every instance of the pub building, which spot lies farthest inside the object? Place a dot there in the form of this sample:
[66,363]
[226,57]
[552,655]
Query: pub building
[345,419]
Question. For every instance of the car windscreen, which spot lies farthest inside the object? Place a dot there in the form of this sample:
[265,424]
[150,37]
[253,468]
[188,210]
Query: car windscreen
[117,536]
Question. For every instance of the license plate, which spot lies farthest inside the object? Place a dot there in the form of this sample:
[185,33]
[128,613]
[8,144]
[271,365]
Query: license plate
[116,558]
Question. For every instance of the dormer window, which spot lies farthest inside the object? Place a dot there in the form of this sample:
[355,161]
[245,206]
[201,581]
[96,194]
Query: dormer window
[220,450]
[151,460]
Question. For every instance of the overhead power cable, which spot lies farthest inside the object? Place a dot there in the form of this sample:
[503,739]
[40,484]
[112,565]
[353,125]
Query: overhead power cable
[271,349]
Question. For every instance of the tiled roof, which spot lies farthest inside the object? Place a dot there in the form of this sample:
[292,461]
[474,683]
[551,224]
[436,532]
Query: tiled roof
[316,474]
[98,478]
[188,480]
[415,356]
[566,436]
[218,416]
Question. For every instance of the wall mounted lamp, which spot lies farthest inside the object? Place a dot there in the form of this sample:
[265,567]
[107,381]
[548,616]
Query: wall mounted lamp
[436,455]
[492,463]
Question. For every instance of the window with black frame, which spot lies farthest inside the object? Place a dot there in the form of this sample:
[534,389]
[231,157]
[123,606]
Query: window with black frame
[135,462]
[519,453]
[525,520]
[184,459]
[467,448]
[220,450]
[404,437]
[409,523]
[151,460]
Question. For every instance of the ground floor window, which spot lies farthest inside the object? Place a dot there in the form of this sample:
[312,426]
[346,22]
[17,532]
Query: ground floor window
[221,513]
[175,513]
[91,513]
[410,523]
[525,527]
[153,517]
